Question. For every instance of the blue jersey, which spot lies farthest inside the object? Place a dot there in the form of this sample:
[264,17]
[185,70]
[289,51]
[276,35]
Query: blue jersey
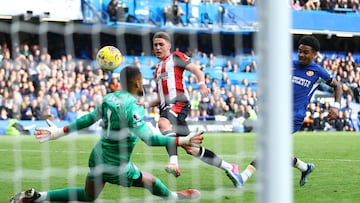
[305,80]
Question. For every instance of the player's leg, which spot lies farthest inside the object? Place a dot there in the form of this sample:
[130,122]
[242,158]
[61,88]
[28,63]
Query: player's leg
[177,116]
[94,183]
[211,158]
[206,155]
[165,128]
[156,187]
[244,175]
[87,194]
[305,168]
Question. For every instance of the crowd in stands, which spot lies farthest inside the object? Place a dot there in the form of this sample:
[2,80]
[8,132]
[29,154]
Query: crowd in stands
[179,13]
[34,86]
[326,5]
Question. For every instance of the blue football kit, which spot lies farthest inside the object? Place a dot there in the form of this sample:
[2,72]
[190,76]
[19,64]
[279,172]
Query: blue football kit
[305,81]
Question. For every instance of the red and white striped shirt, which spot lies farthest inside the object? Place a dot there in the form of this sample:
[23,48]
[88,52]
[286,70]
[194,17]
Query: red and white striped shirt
[168,76]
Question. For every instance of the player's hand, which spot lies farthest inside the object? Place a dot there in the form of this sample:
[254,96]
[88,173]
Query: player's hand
[204,91]
[333,114]
[44,134]
[194,139]
[143,104]
[140,103]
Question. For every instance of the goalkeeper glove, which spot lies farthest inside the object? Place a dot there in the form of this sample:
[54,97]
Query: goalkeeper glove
[52,132]
[194,139]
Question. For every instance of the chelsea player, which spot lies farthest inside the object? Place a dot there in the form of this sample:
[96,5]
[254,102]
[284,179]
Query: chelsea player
[306,77]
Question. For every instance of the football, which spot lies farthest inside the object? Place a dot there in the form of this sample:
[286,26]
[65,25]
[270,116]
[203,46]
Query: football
[109,58]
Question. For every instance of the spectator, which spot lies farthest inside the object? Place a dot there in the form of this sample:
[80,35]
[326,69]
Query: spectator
[117,11]
[27,114]
[71,114]
[348,123]
[250,119]
[248,2]
[154,113]
[356,92]
[312,5]
[296,5]
[3,113]
[338,123]
[327,5]
[173,14]
[308,123]
[115,84]
[47,115]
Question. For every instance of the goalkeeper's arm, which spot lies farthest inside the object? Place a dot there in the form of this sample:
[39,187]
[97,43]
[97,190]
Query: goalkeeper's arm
[152,139]
[53,132]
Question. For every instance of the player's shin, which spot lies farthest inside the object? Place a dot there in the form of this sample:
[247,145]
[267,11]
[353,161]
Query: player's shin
[160,189]
[209,157]
[68,194]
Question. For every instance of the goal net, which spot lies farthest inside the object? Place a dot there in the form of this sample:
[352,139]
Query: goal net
[48,72]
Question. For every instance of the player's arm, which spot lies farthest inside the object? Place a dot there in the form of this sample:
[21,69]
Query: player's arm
[44,134]
[137,125]
[333,112]
[152,139]
[199,77]
[337,89]
[152,103]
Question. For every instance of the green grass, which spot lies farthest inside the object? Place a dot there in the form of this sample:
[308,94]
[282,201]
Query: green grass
[63,163]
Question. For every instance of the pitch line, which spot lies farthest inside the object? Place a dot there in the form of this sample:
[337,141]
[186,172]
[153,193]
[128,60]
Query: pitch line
[239,155]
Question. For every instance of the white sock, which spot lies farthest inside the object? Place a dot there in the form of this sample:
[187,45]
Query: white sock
[43,197]
[174,159]
[302,166]
[173,196]
[247,173]
[225,165]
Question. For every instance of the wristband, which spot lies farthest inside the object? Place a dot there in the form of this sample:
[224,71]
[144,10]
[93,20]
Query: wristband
[337,105]
[201,83]
[66,129]
[177,140]
[146,105]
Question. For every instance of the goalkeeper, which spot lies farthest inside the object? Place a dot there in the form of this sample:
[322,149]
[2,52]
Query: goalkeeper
[109,161]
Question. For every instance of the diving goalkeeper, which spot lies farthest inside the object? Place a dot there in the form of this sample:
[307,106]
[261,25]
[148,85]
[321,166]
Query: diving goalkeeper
[109,161]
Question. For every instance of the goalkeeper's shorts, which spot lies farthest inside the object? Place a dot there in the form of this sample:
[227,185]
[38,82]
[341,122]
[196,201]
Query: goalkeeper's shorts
[125,176]
[102,169]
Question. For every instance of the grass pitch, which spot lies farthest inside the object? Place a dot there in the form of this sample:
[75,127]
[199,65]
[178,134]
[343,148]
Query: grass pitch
[63,163]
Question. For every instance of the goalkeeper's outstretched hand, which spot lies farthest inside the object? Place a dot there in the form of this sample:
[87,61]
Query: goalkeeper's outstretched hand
[194,139]
[44,134]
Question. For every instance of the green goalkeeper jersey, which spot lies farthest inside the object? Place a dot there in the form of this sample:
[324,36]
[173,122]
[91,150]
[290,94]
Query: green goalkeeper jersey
[123,125]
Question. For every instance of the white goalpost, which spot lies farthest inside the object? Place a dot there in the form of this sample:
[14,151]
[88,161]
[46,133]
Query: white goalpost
[274,146]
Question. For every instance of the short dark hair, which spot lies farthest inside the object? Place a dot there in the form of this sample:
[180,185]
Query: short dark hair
[162,35]
[310,41]
[128,75]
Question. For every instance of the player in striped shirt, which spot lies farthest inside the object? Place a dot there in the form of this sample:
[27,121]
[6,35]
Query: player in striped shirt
[174,102]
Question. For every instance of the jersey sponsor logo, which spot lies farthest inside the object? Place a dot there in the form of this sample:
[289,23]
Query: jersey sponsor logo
[162,76]
[301,81]
[310,73]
